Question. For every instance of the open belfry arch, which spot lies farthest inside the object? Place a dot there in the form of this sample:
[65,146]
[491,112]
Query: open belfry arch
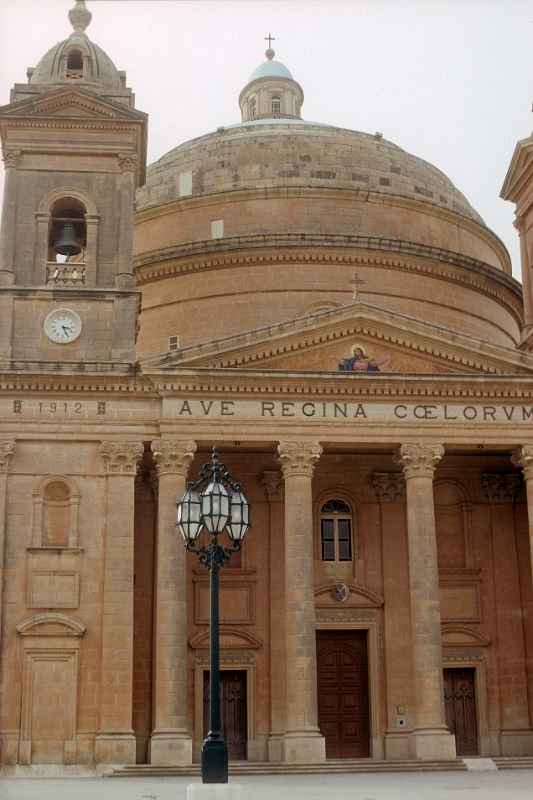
[348,333]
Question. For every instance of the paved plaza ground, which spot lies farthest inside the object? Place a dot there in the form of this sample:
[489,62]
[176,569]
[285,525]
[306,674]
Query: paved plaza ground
[507,785]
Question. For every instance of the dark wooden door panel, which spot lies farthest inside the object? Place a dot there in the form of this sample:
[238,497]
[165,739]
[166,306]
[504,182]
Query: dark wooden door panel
[343,702]
[460,704]
[234,711]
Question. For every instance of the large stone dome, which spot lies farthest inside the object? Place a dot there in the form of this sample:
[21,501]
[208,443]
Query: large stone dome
[265,221]
[283,152]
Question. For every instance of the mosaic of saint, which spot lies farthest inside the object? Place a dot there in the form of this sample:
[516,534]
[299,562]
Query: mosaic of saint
[360,361]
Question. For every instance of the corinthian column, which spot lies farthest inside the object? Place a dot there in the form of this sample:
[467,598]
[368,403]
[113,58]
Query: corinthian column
[430,738]
[303,741]
[115,742]
[523,457]
[171,742]
[272,481]
[7,450]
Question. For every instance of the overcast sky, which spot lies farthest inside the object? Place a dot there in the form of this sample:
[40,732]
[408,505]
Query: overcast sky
[448,80]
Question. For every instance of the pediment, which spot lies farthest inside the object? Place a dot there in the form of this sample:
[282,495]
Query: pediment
[346,595]
[230,639]
[356,339]
[51,624]
[67,103]
[517,181]
[462,636]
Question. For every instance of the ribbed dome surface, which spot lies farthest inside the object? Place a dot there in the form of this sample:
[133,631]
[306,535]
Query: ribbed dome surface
[101,68]
[271,153]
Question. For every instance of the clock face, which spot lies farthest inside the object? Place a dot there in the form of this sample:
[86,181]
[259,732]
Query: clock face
[62,326]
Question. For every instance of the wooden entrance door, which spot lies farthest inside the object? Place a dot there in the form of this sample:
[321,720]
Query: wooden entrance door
[460,703]
[343,704]
[234,711]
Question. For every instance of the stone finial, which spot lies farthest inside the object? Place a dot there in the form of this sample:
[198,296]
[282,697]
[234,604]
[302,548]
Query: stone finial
[299,458]
[173,456]
[501,487]
[80,17]
[419,460]
[388,486]
[523,457]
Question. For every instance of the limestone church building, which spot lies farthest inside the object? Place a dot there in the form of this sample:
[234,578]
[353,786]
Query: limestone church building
[331,313]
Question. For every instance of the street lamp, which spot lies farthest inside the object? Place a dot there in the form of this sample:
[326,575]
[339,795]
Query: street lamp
[214,503]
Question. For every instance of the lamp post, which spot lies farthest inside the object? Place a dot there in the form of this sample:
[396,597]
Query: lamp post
[214,503]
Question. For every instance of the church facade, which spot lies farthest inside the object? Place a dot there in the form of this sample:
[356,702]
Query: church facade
[333,315]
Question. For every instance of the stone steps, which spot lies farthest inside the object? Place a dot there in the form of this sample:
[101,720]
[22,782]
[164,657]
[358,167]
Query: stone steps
[270,768]
[513,762]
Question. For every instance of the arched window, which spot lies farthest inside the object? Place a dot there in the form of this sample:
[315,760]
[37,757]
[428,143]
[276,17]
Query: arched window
[68,232]
[56,515]
[336,531]
[252,108]
[75,64]
[276,106]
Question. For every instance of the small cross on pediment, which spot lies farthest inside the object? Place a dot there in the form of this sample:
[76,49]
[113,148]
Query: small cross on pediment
[356,282]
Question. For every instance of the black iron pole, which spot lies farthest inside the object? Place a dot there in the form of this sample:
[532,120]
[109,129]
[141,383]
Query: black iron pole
[214,750]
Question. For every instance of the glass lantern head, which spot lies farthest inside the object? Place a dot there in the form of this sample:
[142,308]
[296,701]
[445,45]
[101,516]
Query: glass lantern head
[189,518]
[239,516]
[215,506]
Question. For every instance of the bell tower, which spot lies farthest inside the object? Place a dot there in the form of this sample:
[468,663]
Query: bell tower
[74,150]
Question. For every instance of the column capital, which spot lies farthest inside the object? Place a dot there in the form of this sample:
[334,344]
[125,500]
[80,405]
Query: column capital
[419,460]
[388,486]
[272,482]
[523,457]
[11,157]
[173,456]
[121,458]
[298,457]
[501,487]
[7,450]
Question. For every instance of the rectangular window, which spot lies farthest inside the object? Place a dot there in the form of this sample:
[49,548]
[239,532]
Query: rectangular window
[185,183]
[173,343]
[217,229]
[328,540]
[345,540]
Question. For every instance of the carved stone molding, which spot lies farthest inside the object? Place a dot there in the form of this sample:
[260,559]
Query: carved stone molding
[419,460]
[501,487]
[11,158]
[388,486]
[173,456]
[298,457]
[272,482]
[226,657]
[7,451]
[121,458]
[523,457]
[127,162]
[345,615]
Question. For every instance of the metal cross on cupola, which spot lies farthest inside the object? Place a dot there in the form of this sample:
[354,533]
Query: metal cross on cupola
[270,39]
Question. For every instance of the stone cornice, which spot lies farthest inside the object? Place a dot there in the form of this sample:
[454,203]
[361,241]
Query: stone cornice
[352,194]
[204,382]
[302,248]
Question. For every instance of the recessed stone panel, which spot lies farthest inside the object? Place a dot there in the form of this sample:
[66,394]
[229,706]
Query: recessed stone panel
[53,589]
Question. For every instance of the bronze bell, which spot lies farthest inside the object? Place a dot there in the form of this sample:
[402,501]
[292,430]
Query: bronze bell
[67,244]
